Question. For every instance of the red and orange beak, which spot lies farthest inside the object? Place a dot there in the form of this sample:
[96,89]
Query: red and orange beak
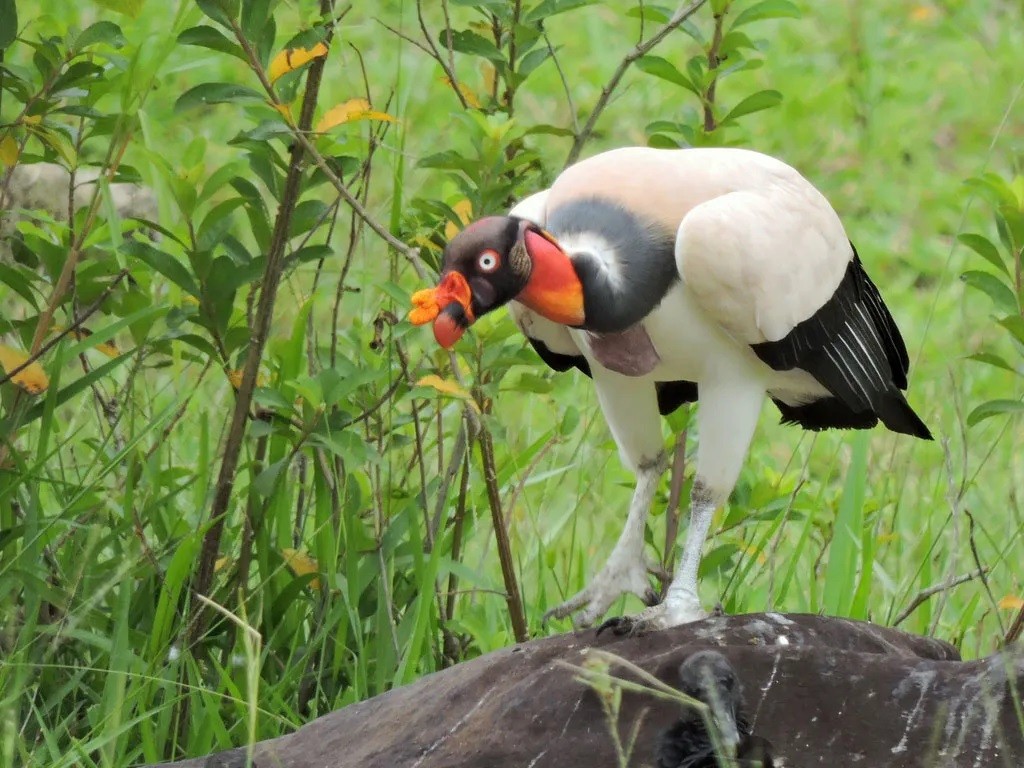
[449,305]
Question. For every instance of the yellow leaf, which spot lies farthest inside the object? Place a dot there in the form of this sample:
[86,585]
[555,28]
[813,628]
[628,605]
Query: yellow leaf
[353,109]
[425,242]
[464,210]
[301,564]
[107,348]
[755,552]
[221,563]
[444,386]
[923,13]
[1011,603]
[490,76]
[466,92]
[32,119]
[291,59]
[8,151]
[235,377]
[32,378]
[286,112]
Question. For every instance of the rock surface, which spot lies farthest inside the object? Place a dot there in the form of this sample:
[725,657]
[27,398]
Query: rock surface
[823,691]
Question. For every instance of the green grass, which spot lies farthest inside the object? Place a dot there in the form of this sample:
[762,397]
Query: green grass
[888,108]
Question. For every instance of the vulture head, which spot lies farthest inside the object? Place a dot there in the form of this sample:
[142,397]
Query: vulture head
[490,263]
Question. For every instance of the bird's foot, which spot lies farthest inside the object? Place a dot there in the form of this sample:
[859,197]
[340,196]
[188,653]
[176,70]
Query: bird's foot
[621,575]
[676,609]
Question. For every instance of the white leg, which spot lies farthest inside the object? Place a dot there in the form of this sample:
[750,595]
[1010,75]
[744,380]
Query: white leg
[630,407]
[726,420]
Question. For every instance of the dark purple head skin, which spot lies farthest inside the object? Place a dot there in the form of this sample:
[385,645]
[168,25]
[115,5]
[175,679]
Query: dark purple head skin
[486,254]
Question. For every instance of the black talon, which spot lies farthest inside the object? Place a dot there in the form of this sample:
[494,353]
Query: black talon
[623,626]
[619,625]
[651,598]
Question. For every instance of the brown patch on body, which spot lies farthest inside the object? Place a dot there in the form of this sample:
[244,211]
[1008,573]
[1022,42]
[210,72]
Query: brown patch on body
[630,352]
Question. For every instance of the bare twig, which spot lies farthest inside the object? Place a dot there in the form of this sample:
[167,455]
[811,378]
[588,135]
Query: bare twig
[640,50]
[983,569]
[924,594]
[565,84]
[508,573]
[448,65]
[454,466]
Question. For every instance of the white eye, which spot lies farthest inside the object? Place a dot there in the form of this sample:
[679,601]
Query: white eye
[487,261]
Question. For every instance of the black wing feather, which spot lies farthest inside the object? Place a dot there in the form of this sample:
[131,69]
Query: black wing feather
[854,349]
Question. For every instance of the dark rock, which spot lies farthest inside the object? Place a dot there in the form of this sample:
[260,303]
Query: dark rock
[822,691]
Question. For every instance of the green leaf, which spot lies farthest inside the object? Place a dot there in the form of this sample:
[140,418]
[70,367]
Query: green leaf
[990,358]
[994,408]
[308,214]
[19,279]
[267,479]
[666,70]
[101,32]
[755,102]
[734,41]
[494,5]
[164,263]
[8,23]
[654,14]
[254,16]
[548,130]
[308,253]
[532,60]
[218,291]
[222,11]
[994,288]
[767,9]
[206,36]
[993,187]
[467,41]
[130,8]
[1015,325]
[216,93]
[527,381]
[217,223]
[548,8]
[75,74]
[984,248]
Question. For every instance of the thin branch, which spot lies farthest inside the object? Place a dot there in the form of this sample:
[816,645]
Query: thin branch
[924,594]
[983,569]
[508,573]
[640,50]
[449,65]
[565,83]
[710,123]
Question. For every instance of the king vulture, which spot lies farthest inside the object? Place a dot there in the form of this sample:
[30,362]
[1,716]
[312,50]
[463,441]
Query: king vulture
[672,276]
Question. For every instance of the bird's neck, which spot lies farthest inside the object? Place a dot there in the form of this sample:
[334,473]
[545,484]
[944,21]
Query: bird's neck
[553,289]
